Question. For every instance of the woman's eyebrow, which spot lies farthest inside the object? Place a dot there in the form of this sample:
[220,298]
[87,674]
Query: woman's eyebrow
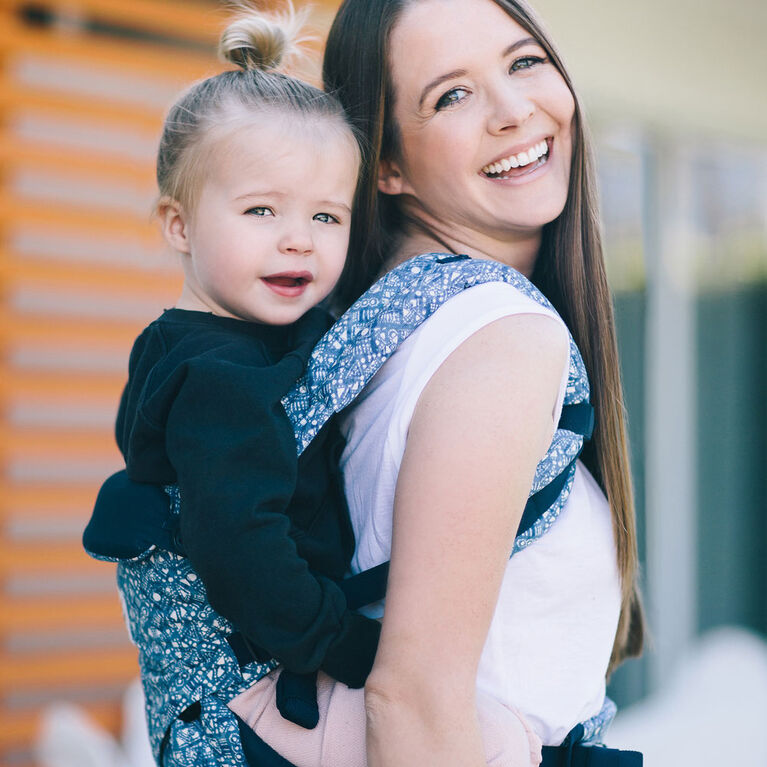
[437,81]
[519,44]
[461,72]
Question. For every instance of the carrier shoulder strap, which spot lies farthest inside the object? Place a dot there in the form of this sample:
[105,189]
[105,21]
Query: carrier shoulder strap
[372,329]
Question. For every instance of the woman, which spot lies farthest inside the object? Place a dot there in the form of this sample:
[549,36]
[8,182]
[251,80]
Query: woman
[477,146]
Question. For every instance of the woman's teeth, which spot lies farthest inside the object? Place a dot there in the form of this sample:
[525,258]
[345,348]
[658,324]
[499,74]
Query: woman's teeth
[518,160]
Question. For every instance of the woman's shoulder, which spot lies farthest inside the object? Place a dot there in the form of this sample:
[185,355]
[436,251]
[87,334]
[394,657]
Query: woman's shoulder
[487,324]
[469,311]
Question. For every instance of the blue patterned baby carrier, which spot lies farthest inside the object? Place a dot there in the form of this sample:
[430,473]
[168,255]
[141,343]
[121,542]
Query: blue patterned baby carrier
[193,661]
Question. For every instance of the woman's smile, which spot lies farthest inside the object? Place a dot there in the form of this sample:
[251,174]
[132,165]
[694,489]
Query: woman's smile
[515,164]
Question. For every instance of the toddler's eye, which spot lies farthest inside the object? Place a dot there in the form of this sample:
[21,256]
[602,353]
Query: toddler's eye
[260,211]
[326,218]
[453,96]
[525,62]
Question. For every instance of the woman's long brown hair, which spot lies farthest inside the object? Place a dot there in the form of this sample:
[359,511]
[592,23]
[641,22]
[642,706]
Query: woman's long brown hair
[569,270]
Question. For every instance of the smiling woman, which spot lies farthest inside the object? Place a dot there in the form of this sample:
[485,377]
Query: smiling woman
[478,148]
[500,105]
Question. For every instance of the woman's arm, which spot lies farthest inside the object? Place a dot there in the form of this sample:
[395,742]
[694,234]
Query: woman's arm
[480,427]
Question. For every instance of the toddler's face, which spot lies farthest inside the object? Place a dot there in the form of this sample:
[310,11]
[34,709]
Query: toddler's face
[268,238]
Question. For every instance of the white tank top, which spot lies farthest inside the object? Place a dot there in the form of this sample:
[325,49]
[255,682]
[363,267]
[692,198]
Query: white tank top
[550,639]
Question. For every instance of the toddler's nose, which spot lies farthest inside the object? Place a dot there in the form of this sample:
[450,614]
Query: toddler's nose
[297,241]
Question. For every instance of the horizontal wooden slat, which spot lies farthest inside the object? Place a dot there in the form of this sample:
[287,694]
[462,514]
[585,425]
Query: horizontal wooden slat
[75,668]
[33,500]
[18,729]
[29,329]
[49,558]
[49,613]
[75,400]
[19,154]
[100,385]
[195,21]
[192,20]
[138,57]
[53,104]
[51,215]
[48,442]
[112,280]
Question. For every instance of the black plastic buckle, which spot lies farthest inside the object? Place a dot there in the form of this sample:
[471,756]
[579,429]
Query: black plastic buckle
[448,259]
[191,713]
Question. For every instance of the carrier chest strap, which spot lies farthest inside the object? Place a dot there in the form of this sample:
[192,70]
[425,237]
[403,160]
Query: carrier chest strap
[578,418]
[370,585]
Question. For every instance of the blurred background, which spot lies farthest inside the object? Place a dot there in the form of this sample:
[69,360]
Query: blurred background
[675,95]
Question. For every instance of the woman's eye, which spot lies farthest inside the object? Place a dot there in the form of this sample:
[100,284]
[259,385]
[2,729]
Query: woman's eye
[525,62]
[452,97]
[326,218]
[260,211]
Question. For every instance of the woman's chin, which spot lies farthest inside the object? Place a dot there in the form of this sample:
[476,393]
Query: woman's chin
[529,222]
[526,208]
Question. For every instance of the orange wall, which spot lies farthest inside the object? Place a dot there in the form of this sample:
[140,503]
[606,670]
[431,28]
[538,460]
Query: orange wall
[82,270]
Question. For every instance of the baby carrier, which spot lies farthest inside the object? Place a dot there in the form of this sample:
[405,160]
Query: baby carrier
[193,661]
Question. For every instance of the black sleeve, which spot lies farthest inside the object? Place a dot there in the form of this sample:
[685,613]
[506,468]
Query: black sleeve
[234,452]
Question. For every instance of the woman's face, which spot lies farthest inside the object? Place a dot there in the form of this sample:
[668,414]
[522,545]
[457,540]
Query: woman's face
[485,120]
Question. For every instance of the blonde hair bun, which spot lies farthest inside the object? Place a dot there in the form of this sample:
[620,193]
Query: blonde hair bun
[259,41]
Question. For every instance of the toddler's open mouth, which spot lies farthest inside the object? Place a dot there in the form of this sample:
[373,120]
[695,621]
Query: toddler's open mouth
[289,279]
[288,284]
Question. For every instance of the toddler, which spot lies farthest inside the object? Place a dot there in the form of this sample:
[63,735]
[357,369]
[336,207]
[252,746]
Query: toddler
[257,172]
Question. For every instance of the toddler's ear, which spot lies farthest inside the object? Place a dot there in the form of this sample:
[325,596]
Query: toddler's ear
[175,224]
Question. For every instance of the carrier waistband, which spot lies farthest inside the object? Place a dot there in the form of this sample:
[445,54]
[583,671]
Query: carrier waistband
[589,756]
[258,753]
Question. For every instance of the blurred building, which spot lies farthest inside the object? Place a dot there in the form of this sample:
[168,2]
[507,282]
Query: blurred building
[674,95]
[83,88]
[678,110]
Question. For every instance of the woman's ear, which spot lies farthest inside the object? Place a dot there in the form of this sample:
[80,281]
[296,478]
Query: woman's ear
[174,222]
[390,179]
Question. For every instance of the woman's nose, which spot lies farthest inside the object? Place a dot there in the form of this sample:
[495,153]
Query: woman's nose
[297,241]
[510,107]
